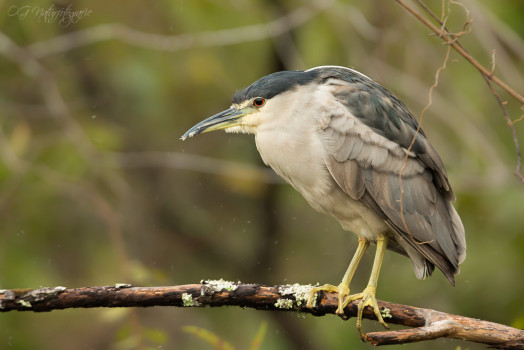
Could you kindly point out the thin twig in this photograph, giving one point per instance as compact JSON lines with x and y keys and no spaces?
{"x":488,"y":76}
{"x":184,"y":161}
{"x":232,"y":36}
{"x":511,"y":125}
{"x":449,"y":39}
{"x":513,"y":122}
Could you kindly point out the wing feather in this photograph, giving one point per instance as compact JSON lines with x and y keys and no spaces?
{"x":367,"y":154}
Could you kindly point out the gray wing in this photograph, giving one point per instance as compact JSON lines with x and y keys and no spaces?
{"x":366,"y":142}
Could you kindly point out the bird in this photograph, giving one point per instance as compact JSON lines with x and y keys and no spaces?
{"x":355,"y":152}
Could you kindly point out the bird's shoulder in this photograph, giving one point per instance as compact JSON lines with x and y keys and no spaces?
{"x":369,"y":125}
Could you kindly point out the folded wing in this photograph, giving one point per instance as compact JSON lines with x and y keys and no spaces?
{"x":376,"y":154}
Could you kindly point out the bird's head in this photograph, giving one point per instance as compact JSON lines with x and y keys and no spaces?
{"x":269,"y":99}
{"x":252,"y":105}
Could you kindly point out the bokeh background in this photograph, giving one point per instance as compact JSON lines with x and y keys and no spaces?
{"x":97,"y":188}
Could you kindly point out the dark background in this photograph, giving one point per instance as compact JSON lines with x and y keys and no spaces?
{"x":96,"y":187}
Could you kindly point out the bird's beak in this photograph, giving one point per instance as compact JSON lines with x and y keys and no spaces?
{"x":223,"y":120}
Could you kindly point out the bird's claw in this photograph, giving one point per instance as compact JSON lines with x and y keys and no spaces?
{"x":367,"y":298}
{"x":341,"y":289}
{"x":343,"y":298}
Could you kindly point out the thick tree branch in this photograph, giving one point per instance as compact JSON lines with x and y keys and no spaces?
{"x":428,"y":324}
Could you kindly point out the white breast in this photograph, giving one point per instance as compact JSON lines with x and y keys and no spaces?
{"x":300,"y":161}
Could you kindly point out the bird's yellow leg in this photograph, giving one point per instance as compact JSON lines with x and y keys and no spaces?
{"x":343,"y":288}
{"x":368,"y":295}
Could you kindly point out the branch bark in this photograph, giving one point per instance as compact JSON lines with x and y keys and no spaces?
{"x":427,"y":324}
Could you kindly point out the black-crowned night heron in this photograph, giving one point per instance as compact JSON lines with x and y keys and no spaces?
{"x":355,"y":152}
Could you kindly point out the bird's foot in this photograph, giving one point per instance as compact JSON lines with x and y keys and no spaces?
{"x":367,"y":299}
{"x":343,"y":293}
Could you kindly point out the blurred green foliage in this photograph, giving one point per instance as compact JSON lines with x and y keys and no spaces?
{"x":96,"y":188}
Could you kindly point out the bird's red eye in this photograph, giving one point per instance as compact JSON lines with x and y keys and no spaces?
{"x":259,"y":102}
